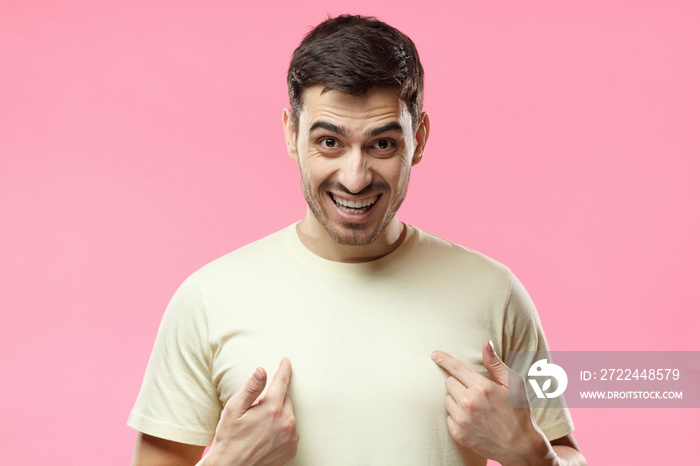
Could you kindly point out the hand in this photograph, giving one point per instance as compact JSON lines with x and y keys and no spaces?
{"x":479,"y":416}
{"x":256,"y":431}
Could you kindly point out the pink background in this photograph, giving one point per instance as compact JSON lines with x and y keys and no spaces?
{"x":140,"y":140}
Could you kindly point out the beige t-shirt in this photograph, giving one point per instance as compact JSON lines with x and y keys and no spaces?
{"x":359,"y":336}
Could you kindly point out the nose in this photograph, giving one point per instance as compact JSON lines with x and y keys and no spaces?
{"x":355,"y":174}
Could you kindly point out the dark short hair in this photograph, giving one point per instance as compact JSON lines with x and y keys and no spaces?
{"x":355,"y":54}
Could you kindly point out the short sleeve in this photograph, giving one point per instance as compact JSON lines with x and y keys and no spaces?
{"x":523,"y":332}
{"x":178,"y":400}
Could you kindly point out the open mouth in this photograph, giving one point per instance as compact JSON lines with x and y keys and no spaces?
{"x":354,"y":207}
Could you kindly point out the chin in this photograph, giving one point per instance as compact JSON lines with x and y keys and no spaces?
{"x":354,"y":234}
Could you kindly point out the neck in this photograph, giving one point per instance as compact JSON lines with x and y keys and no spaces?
{"x":316,"y":239}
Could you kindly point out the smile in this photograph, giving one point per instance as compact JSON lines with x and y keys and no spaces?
{"x":354,"y":207}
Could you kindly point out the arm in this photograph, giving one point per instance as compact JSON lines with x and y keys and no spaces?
{"x":568,"y":452}
{"x":155,"y":451}
{"x":563,"y":451}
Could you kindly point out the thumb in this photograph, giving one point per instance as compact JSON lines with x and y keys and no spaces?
{"x":494,"y":364}
{"x":246,"y":396}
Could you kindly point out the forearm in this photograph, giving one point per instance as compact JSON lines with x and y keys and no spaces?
{"x":569,"y":456}
{"x":563,"y":451}
{"x":556,"y":455}
{"x":155,"y":451}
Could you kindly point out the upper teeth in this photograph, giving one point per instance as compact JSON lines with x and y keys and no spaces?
{"x":355,"y":204}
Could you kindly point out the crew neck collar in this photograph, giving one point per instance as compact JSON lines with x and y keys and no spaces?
{"x":349,"y":268}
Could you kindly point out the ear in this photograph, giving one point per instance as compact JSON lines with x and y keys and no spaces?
{"x":422,"y":134}
{"x":290,"y":134}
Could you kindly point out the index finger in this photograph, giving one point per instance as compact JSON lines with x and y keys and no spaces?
{"x":280,"y":382}
{"x":456,"y":368}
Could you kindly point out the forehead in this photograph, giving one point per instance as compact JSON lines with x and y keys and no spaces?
{"x":378,"y":106}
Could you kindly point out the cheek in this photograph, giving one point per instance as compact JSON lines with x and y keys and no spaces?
{"x":396,"y":173}
{"x":312,"y":176}
{"x":319,"y":169}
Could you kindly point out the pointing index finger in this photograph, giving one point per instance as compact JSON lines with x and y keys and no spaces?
{"x":280,"y":382}
{"x":455,"y":367}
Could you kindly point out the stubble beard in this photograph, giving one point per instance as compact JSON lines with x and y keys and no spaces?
{"x":357,"y":234}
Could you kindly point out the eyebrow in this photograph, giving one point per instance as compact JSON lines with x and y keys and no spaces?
{"x":341,"y":131}
{"x":393,"y":126}
{"x":329,"y":127}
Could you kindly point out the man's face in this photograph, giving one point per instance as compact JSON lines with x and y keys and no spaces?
{"x":355,"y":156}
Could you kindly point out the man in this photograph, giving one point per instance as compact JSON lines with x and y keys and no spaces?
{"x":361,"y":305}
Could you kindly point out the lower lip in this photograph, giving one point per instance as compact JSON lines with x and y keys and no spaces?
{"x":355,"y":218}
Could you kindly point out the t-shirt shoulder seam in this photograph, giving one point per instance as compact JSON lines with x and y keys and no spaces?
{"x":206,"y":319}
{"x":473,"y":252}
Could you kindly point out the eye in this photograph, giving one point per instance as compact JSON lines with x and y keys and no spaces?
{"x":383,"y":144}
{"x":328,"y":143}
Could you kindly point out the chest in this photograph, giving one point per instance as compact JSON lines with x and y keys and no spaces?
{"x":362,"y":377}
